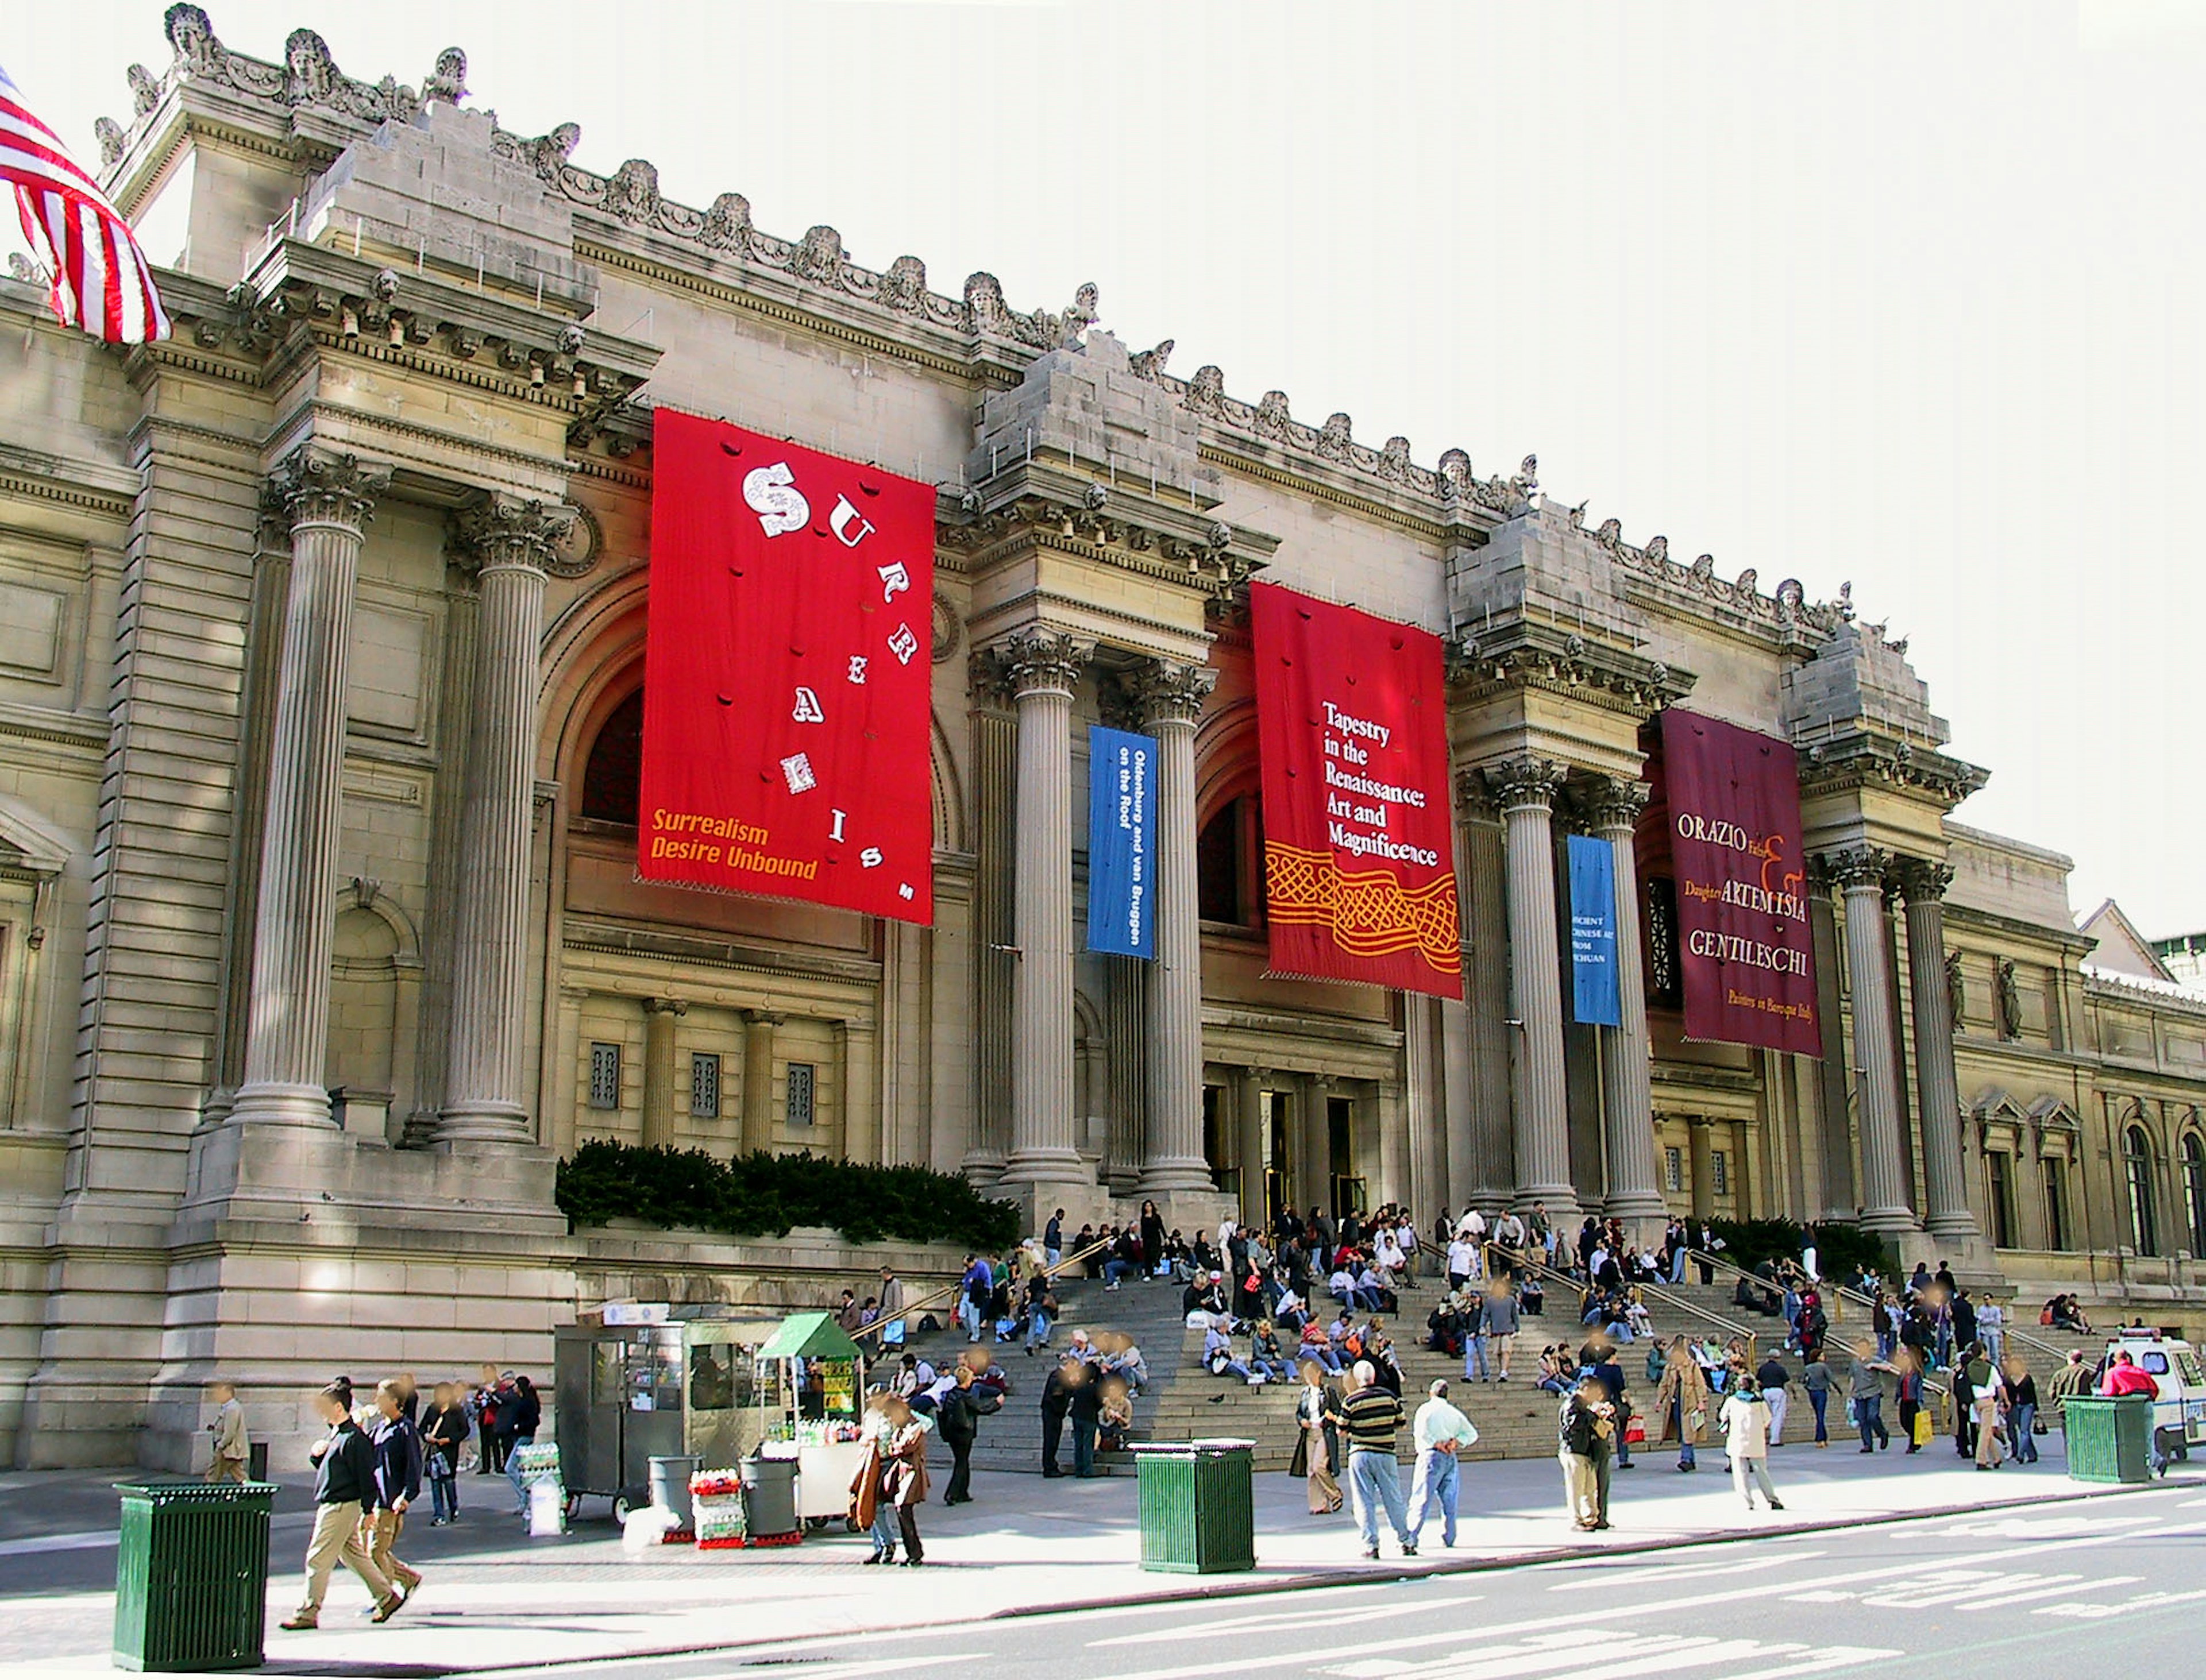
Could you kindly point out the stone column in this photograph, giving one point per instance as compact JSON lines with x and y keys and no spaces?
{"x":1635,"y":1189}
{"x":1702,"y":1168}
{"x":1250,"y":1134}
{"x":1172,"y":697}
{"x":325,"y":500}
{"x":1313,"y":1165}
{"x":1859,"y":871}
{"x":1490,"y":1158}
{"x":662,"y":1099}
{"x":1040,"y":667}
{"x":1524,"y":788}
{"x":1946,"y":1193}
{"x":510,"y":542}
{"x":758,"y":1081}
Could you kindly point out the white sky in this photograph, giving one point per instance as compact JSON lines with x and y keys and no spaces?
{"x":1910,"y":295}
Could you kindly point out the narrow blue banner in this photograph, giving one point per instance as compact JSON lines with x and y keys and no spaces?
{"x":1594,"y":1001}
{"x":1121,"y":831}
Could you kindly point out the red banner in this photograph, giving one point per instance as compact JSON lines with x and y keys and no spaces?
{"x":787,"y":674}
{"x":1359,"y":864}
{"x":1745,"y":951}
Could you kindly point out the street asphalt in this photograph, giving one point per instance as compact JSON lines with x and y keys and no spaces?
{"x":2112,"y":1587}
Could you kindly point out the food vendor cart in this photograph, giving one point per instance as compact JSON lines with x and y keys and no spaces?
{"x":818,"y":1376}
{"x":640,"y":1382}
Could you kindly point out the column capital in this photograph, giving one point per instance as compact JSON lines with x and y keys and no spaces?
{"x":495,"y":529}
{"x":1474,"y":799}
{"x":315,"y":484}
{"x":1920,"y":880}
{"x":1033,"y":661}
{"x":1524,"y":783}
{"x":1168,"y":692}
{"x":1612,"y":804}
{"x":763,"y":1017}
{"x":1853,"y":867}
{"x":673,"y":1006}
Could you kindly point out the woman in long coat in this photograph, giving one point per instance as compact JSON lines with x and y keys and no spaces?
{"x":904,"y":1474}
{"x":1317,"y":1441}
{"x":1682,"y":1401}
{"x":869,"y":1509}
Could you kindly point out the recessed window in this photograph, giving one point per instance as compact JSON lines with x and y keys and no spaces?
{"x":801,"y":1079}
{"x":704,"y":1087}
{"x":1673,"y":1167}
{"x":604,"y":1075}
{"x":2137,"y":1158}
{"x":1719,"y":1173}
{"x":612,"y":780}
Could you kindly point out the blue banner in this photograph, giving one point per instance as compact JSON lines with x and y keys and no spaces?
{"x":1594,"y":1000}
{"x":1122,"y":832}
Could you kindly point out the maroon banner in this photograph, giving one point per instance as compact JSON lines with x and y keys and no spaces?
{"x":787,"y":674}
{"x":1359,"y":864}
{"x":1746,"y":952}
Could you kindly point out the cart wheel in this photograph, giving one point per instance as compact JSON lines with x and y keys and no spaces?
{"x":815,"y":1524}
{"x":621,"y":1507}
{"x":849,"y":1525}
{"x":574,"y":1506}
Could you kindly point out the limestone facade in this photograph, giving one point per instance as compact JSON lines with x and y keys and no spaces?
{"x":321,"y":631}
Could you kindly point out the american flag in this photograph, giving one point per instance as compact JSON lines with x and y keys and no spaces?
{"x":102,"y":281}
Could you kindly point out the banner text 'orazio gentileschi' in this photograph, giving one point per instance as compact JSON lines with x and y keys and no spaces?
{"x":1359,"y":864}
{"x":1745,"y":951}
{"x":787,"y":672}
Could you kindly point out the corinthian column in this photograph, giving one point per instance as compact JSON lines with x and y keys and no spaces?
{"x":509,"y":541}
{"x":1525,"y":788}
{"x":1485,"y":1044}
{"x":1634,"y":1192}
{"x":1945,"y":1182}
{"x":1172,"y":697}
{"x":1039,"y":668}
{"x":325,"y":500}
{"x":1859,"y":871}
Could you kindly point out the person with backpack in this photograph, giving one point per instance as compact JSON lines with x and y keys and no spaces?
{"x":1746,"y":1421}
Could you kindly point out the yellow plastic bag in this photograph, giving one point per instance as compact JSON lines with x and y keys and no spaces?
{"x":1923,"y":1428}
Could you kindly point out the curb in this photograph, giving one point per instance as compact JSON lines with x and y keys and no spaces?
{"x":1365,"y":1575}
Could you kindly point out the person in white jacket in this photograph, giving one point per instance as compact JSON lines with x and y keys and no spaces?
{"x":1746,"y":1421}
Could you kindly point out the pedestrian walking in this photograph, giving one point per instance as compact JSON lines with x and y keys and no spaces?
{"x":1745,"y":1421}
{"x":1815,"y":1384}
{"x":871,"y":1507}
{"x":1865,"y":1394}
{"x":1502,"y":1320}
{"x":903,"y":1476}
{"x":1086,"y":1413}
{"x":1056,"y":1406}
{"x":344,"y":1480}
{"x":958,"y":1416}
{"x":892,"y":1323}
{"x":1914,"y":1419}
{"x":1681,"y":1401}
{"x":1317,"y":1440}
{"x":398,"y":1444}
{"x":226,"y":1429}
{"x":488,"y":1402}
{"x":444,"y":1433}
{"x":1577,"y":1437}
{"x":1775,"y":1383}
{"x":1370,"y":1417}
{"x":1984,"y":1397}
{"x":1440,"y":1432}
{"x":2021,"y":1410}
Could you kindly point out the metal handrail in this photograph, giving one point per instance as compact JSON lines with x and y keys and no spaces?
{"x":950,"y":1292}
{"x":1541,"y":1267}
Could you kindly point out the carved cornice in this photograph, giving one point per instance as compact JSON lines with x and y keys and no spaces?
{"x":1037,"y":503}
{"x":493,"y":529}
{"x":1521,"y":653}
{"x":1851,"y":762}
{"x":1169,"y":693}
{"x":1033,"y":662}
{"x":317,"y":486}
{"x":1788,"y":610}
{"x":1525,"y":782}
{"x":1851,"y":868}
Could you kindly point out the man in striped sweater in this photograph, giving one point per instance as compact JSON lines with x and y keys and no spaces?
{"x":1370,"y":1418}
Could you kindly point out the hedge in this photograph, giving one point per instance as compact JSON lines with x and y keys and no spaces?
{"x":764,"y":1194}
{"x":1841,"y":1250}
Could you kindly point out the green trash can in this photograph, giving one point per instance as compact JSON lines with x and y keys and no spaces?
{"x":2109,"y":1438}
{"x":1198,"y":1502}
{"x":191,"y":1575}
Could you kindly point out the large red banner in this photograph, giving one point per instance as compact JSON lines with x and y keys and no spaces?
{"x":787,"y":674}
{"x":1745,"y":951}
{"x":1359,"y":864}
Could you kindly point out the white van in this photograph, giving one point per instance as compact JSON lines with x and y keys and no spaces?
{"x":2178,"y":1414}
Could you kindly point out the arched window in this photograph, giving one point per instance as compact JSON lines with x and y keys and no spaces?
{"x":2137,"y":1158}
{"x":2194,"y":1189}
{"x":1229,"y":865}
{"x":612,"y":778}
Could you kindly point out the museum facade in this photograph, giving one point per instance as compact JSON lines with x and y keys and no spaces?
{"x":322,"y":935}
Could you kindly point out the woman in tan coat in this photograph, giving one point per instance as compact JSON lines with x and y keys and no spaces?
{"x":903,"y":1472}
{"x":1317,"y":1423}
{"x":1682,"y":1401}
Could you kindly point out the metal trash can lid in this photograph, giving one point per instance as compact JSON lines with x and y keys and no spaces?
{"x":1167,"y":1449}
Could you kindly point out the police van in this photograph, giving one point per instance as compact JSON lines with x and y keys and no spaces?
{"x":2178,"y":1413}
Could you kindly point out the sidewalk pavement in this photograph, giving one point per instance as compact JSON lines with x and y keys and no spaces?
{"x":494,"y":1600}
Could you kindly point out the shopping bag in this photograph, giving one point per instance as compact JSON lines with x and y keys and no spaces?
{"x":1922,"y":1431}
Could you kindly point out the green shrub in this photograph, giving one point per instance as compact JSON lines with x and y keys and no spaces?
{"x":1841,"y":1250}
{"x":764,"y":1194}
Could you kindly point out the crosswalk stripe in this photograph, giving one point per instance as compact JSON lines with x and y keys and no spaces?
{"x":1282,"y":1621}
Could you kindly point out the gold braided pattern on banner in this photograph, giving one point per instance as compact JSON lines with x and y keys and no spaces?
{"x":1367,"y":912}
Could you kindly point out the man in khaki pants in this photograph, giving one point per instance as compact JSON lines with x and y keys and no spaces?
{"x":228,"y":1430}
{"x":344,"y":1478}
{"x":398,"y":1484}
